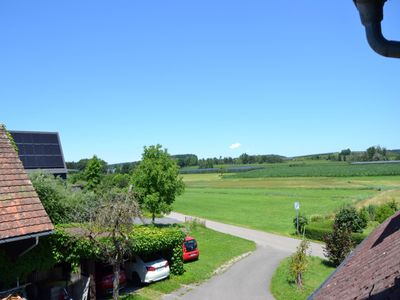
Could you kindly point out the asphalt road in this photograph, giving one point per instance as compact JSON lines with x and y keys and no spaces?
{"x":250,"y":277}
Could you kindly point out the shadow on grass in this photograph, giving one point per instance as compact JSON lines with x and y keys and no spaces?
{"x":128,"y":292}
{"x":291,"y":281}
{"x":327,"y":263}
{"x":188,"y":262}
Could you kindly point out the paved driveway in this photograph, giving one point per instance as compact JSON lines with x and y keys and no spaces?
{"x":250,"y":277}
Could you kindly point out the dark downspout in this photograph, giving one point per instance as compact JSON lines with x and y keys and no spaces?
{"x":371,"y":13}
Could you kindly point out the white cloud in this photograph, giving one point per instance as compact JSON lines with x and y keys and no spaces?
{"x":235,"y":146}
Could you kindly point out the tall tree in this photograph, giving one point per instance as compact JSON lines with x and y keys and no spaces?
{"x":371,"y":152}
{"x":156,"y":180}
{"x":344,"y":153}
{"x":92,"y":173}
{"x":338,"y":244}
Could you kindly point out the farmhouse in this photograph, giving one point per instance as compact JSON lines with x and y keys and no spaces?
{"x":371,"y":271}
{"x":23,"y":220}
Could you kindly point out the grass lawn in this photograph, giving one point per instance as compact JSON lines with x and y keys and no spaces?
{"x":264,"y":209}
{"x":267,"y":203}
{"x":215,"y":249}
{"x":283,"y":288}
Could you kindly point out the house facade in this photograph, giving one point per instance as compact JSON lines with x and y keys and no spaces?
{"x":23,"y":219}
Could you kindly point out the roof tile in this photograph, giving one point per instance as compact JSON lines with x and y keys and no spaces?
{"x":371,"y":270}
{"x":21,"y":212}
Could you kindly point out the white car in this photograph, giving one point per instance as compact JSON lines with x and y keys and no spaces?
{"x":147,"y":269}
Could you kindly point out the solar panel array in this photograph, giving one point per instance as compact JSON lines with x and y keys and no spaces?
{"x":39,"y":150}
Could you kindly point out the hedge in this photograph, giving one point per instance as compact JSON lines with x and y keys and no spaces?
{"x":314,"y":232}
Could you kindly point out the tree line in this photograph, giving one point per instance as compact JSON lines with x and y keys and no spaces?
{"x":182,"y":160}
{"x":373,"y":153}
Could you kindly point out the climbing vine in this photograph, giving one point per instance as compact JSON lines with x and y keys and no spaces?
{"x":9,"y":136}
{"x":66,"y":246}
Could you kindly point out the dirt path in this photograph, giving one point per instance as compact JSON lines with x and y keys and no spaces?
{"x":382,"y":197}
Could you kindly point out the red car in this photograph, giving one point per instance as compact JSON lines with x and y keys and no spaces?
{"x":104,"y":279}
{"x":190,"y":249}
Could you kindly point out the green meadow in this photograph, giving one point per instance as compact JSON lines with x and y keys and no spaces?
{"x":267,"y":204}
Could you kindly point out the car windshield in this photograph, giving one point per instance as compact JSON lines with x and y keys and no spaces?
{"x":190,"y":245}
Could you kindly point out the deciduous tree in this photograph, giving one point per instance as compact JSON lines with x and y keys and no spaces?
{"x":299,"y":262}
{"x":92,"y":173}
{"x":157,"y":181}
{"x":338,"y":244}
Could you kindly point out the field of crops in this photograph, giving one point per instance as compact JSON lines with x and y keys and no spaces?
{"x":320,"y":170}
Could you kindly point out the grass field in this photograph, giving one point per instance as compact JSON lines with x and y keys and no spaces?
{"x":283,"y":288}
{"x":267,"y":203}
{"x":215,"y":249}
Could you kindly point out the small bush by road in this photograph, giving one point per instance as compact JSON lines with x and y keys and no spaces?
{"x":283,"y":287}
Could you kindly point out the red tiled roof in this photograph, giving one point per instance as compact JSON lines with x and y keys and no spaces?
{"x":21,"y":212}
{"x":371,"y":271}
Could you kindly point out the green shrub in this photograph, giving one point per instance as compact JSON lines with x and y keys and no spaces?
{"x":112,"y":181}
{"x":303,"y":221}
{"x":317,"y":232}
{"x":52,"y":194}
{"x":324,"y":224}
{"x":313,"y":232}
{"x":383,"y":212}
{"x":347,"y":217}
{"x":358,"y":237}
{"x":364,"y":215}
{"x":393,"y":205}
{"x":150,"y":239}
{"x":316,"y":218}
{"x":177,"y":267}
{"x":339,"y":243}
{"x":299,"y":262}
{"x":372,"y":212}
{"x":62,"y":203}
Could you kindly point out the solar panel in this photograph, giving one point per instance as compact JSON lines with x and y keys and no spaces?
{"x":39,"y":150}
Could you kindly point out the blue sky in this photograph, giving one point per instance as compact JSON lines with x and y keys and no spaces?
{"x":283,"y":77}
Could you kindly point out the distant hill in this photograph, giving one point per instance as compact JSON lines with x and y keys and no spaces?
{"x":191,"y":160}
{"x":314,"y":156}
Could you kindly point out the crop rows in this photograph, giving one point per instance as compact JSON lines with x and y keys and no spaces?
{"x":320,"y":170}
